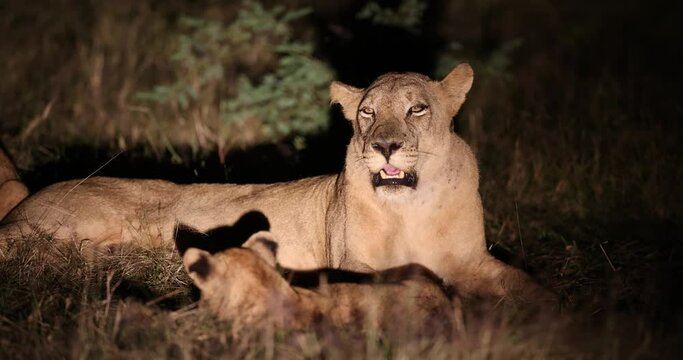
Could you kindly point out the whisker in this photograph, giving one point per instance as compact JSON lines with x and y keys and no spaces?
{"x":89,"y":176}
{"x":44,"y":214}
{"x":426,"y":152}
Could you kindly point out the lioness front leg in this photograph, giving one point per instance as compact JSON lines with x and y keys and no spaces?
{"x":512,"y":285}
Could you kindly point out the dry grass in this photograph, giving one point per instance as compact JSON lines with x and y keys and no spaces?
{"x":77,"y":81}
{"x":59,"y":303}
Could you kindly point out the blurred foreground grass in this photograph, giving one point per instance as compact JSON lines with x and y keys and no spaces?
{"x":57,"y":302}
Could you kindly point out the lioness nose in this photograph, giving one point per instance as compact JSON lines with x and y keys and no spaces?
{"x":386,"y":147}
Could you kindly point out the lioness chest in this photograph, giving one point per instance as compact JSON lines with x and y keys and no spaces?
{"x":379,"y":240}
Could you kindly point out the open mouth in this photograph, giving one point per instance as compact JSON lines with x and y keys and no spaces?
{"x":391,"y":176}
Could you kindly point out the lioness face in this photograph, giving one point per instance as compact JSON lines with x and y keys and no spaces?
{"x":400,"y":121}
{"x":389,"y":125}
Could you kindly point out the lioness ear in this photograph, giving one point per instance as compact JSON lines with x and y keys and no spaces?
{"x":347,"y":96}
{"x":197,"y":264}
{"x":456,"y":85}
{"x":264,"y":245}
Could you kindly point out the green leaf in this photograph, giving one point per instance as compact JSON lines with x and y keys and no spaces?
{"x":296,"y":14}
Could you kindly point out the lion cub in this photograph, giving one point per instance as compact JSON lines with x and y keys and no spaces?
{"x":243,"y":285}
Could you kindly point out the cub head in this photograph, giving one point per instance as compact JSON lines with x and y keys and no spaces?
{"x":239,"y":284}
{"x":400,"y":121}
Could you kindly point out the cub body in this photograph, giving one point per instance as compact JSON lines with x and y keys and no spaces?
{"x":242,"y":285}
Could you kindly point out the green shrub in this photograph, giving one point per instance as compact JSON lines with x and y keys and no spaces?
{"x":407,"y":15}
{"x":251,"y":71}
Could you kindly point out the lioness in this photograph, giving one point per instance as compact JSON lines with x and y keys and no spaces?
{"x":408,"y":193}
{"x":243,"y":285}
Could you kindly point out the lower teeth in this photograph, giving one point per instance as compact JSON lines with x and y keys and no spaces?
{"x":384,"y":175}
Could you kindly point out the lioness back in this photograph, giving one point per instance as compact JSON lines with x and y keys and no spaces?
{"x":112,"y":211}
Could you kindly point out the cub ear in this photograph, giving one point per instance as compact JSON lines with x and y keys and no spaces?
{"x":198,"y":264}
{"x":187,"y":237}
{"x":264,"y":245}
{"x":348,"y":97}
{"x":456,"y":85}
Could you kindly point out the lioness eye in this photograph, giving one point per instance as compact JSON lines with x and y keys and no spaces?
{"x":366,"y":112}
{"x":418,"y":110}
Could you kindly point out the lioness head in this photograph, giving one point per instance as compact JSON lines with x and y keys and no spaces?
{"x":399,"y":122}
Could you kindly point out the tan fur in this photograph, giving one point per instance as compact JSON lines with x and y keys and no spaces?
{"x":12,"y":191}
{"x":338,"y":221}
{"x":243,"y":286}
